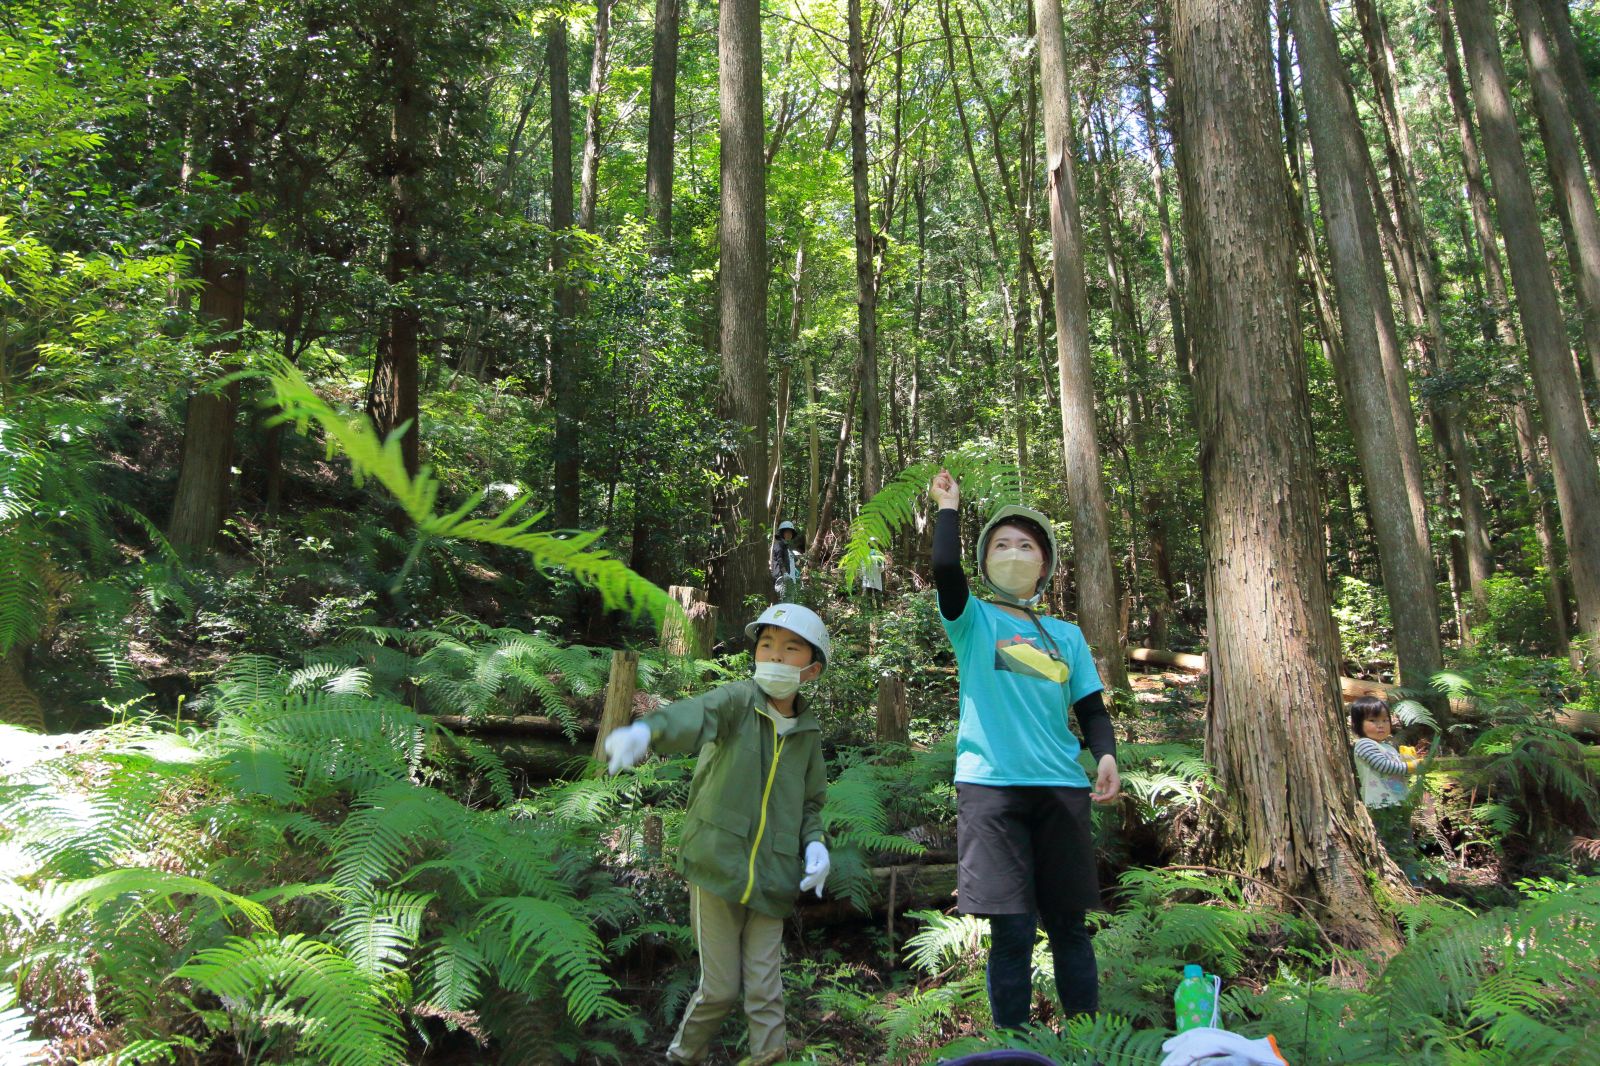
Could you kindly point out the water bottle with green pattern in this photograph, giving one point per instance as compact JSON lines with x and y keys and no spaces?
{"x":1196,"y":999}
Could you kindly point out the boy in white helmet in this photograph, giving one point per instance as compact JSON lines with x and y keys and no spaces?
{"x":752,"y":833}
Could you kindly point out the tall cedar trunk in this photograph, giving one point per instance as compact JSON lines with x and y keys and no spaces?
{"x":866,"y":274}
{"x":1274,"y":731}
{"x":663,"y":119}
{"x":1169,"y":262}
{"x":1098,"y":613}
{"x":589,"y":174}
{"x":1566,"y":171}
{"x":813,"y":448}
{"x":1364,"y":311}
{"x":1580,"y":97}
{"x":392,"y":393}
{"x":204,"y":474}
{"x":566,"y":381}
{"x":1555,"y":381}
{"x":1422,"y":313}
{"x":742,"y":303}
{"x":1499,"y":326}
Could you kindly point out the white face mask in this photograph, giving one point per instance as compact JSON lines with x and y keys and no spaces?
{"x":1015,"y":571}
{"x":778,"y":680}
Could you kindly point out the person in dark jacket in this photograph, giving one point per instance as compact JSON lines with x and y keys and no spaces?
{"x":752,"y":833}
{"x":784,"y":560}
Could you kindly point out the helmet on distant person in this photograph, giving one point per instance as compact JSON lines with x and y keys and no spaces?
{"x":796,"y":619}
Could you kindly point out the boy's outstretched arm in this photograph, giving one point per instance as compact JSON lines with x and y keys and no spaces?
{"x":684,"y":726}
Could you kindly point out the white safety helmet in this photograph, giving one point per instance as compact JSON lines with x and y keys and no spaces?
{"x":798,"y":619}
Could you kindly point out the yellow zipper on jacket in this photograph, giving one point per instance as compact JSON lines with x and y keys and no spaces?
{"x":761,"y":826}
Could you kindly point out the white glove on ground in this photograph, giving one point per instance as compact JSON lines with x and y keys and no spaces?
{"x":817,"y":867}
{"x":626,"y":746}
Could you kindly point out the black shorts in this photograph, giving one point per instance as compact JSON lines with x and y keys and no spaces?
{"x":1024,"y":849}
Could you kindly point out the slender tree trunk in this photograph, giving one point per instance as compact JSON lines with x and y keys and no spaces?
{"x":1580,"y":96}
{"x":1274,"y":729}
{"x":1364,"y":312}
{"x":1169,"y":263}
{"x":866,"y":274}
{"x":565,"y":373}
{"x":1091,"y":526}
{"x":663,"y":119}
{"x":813,"y":448}
{"x":1554,"y":379}
{"x":836,"y":476}
{"x":796,"y":316}
{"x":1527,"y":433}
{"x":1566,"y":171}
{"x":590,"y":173}
{"x":1422,"y":312}
{"x":742,"y":302}
{"x":201,"y":501}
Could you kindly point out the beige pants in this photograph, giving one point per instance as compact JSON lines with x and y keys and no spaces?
{"x":739,"y":950}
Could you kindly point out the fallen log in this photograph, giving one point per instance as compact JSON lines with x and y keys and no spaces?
{"x":528,"y":725}
{"x":1584,"y":722}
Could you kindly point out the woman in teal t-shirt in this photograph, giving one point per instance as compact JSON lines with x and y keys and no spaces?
{"x":1025,"y":850}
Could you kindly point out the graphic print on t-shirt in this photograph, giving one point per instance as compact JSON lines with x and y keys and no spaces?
{"x":1020,"y":655}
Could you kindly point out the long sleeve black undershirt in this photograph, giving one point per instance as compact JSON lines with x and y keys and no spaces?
{"x":950,"y":582}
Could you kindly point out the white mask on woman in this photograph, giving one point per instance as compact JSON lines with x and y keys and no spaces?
{"x":1014,"y":571}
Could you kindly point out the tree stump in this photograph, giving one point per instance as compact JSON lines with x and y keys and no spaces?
{"x":894,"y":721}
{"x":618,"y":710}
{"x":689,"y":633}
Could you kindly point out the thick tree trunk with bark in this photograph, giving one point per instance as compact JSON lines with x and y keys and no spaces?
{"x":565,"y":379}
{"x":1364,"y":311}
{"x":201,"y":501}
{"x":663,"y":119}
{"x":1554,"y":379}
{"x":742,"y":304}
{"x":1098,"y":613}
{"x":1275,"y":732}
{"x":866,"y":272}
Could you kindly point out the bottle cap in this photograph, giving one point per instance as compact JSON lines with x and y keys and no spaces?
{"x":1192,"y":970}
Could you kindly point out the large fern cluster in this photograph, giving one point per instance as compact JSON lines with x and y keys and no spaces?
{"x":1513,"y":984}
{"x":285,"y":881}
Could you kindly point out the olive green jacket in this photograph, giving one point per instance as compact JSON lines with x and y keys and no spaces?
{"x":756,"y":799}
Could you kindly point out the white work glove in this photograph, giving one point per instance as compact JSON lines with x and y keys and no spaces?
{"x":817,"y":866}
{"x":626,"y":746}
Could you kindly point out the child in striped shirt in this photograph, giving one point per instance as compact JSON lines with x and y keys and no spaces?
{"x":1382,"y":769}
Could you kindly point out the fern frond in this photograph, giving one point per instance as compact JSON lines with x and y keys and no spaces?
{"x":575,"y":553}
{"x":343,"y":1016}
{"x":378,"y":928}
{"x":551,"y":934}
{"x":945,"y":941}
{"x":148,"y":886}
{"x":453,"y":970}
{"x":986,"y":479}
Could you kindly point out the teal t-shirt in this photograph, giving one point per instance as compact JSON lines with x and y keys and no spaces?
{"x":1013,"y":713}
